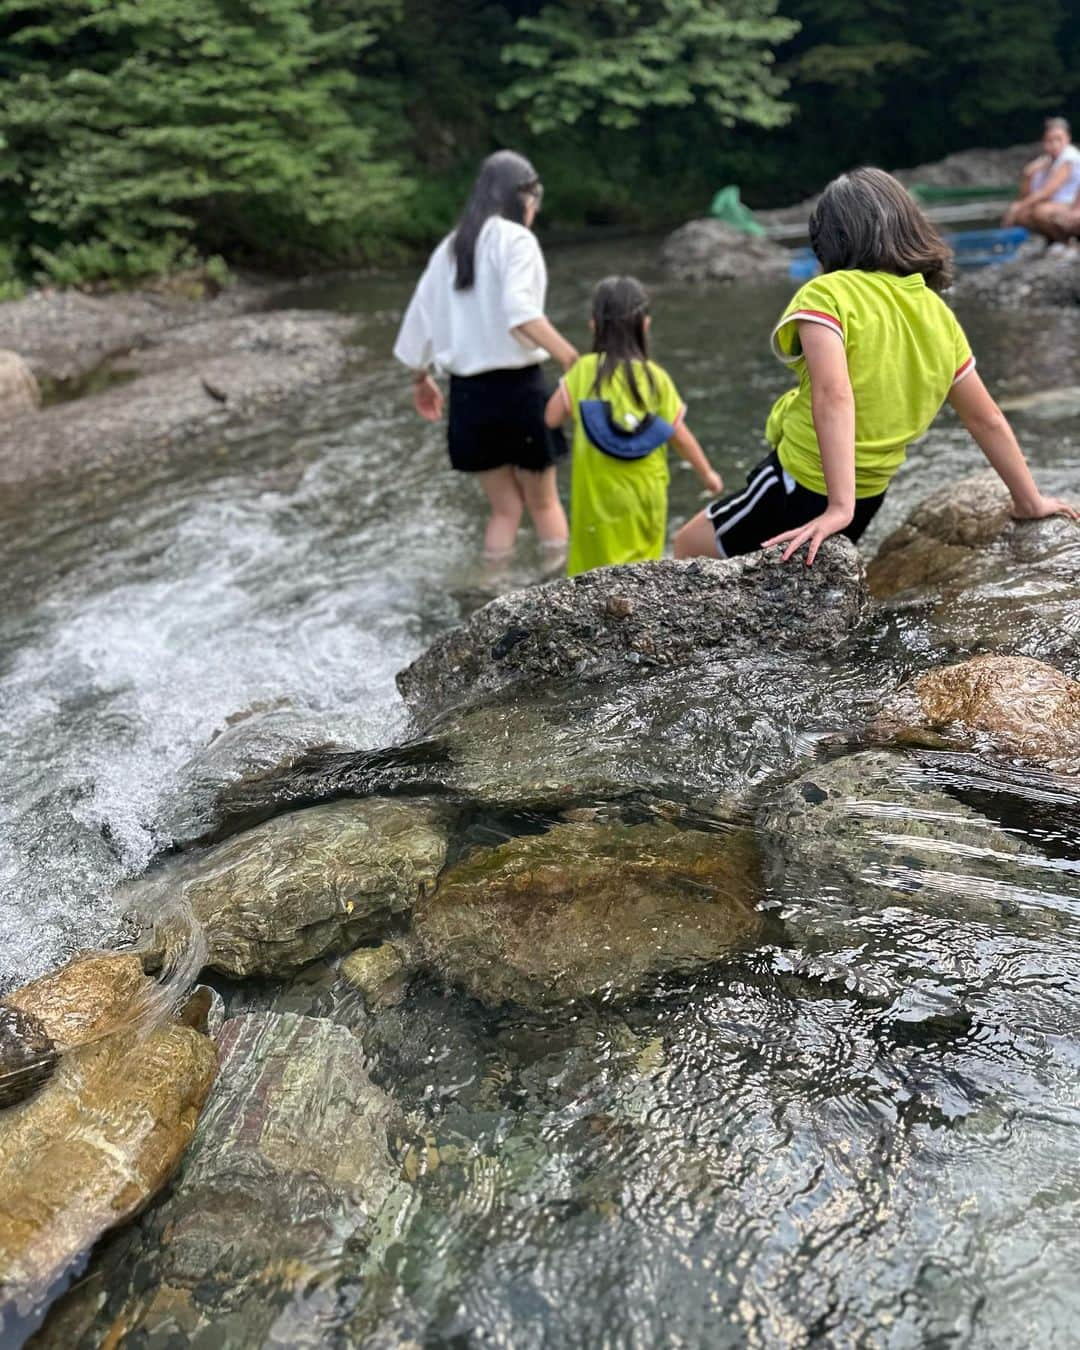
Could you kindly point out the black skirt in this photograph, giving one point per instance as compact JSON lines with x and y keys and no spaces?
{"x":497,"y":418}
{"x":771,"y":503}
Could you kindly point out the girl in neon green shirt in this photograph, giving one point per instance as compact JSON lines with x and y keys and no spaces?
{"x":876,"y":352}
{"x":626,"y":411}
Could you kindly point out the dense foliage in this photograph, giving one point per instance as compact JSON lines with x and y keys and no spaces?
{"x":136,"y":135}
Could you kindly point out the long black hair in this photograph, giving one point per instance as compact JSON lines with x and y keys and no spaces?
{"x":865,"y":221}
{"x":499,"y":190}
{"x":620,"y":308}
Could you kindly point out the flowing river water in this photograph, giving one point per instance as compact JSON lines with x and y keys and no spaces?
{"x":757,"y":1156}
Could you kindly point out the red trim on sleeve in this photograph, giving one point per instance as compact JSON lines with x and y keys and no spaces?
{"x":965,"y":369}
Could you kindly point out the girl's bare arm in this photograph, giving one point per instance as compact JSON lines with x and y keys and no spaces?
{"x":689,"y":448}
{"x":990,"y":428}
{"x":833,"y":406}
{"x":543,"y":333}
{"x":558,"y":408}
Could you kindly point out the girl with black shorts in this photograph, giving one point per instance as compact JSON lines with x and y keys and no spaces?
{"x":478,"y":314}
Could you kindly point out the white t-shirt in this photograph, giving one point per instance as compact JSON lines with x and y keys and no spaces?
{"x":466,"y":332}
{"x":1071,"y":186}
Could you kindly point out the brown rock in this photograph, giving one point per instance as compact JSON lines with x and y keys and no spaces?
{"x":91,"y":1148}
{"x":586,"y":910}
{"x":1014,"y":704}
{"x":87,"y":998}
{"x":27,"y":1054}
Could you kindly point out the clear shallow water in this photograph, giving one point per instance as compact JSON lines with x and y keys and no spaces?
{"x":764,"y":1156}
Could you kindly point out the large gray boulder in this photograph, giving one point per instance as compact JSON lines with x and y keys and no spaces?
{"x":304,"y":885}
{"x":647,"y":617}
{"x":1034,"y":279}
{"x":288,"y":1171}
{"x":709,"y":250}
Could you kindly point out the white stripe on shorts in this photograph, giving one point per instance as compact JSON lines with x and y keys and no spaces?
{"x":762,"y":485}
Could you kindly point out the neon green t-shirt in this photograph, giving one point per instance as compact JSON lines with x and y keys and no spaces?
{"x":905,"y":350}
{"x":618,"y":507}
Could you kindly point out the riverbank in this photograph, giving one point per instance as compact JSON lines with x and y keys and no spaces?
{"x":134,"y":374}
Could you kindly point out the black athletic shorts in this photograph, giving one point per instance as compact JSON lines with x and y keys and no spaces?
{"x":497,"y":418}
{"x":771,"y":503}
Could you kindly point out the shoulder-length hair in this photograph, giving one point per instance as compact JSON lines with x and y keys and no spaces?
{"x":865,"y":221}
{"x":498,"y":191}
{"x":620,"y":310}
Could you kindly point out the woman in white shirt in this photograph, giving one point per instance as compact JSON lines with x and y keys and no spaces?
{"x":1049,"y":182}
{"x":478,"y":314}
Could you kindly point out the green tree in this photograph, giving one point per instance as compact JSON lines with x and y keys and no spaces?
{"x":137,"y":129}
{"x":616,"y":63}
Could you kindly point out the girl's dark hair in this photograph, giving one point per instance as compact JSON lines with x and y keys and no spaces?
{"x":865,"y":221}
{"x":499,"y":190}
{"x":620,"y":307}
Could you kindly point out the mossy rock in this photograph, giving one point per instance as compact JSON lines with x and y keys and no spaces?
{"x":590,"y":910}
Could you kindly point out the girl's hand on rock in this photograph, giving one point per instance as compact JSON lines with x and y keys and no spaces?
{"x":1043,"y":507}
{"x":427,"y":399}
{"x":713,"y":483}
{"x":814,"y":532}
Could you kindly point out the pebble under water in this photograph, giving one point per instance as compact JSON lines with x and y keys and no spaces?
{"x":863,"y":1130}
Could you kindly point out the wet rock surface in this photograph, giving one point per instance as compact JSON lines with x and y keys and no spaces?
{"x":704,"y":731}
{"x":304,"y":885}
{"x":188,"y":381}
{"x":886,"y":874}
{"x":1034,"y":279}
{"x":88,"y":1151}
{"x":19,"y":392}
{"x":589,"y":910}
{"x":710,"y":250}
{"x":27,"y":1055}
{"x":286,"y":1176}
{"x":983,"y":581}
{"x":1008,"y":704}
{"x":647,"y":617}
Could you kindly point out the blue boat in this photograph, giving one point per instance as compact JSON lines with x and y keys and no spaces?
{"x":973,"y":248}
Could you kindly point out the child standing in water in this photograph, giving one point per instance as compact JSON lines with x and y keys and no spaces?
{"x":876,"y":352}
{"x":626,"y":411}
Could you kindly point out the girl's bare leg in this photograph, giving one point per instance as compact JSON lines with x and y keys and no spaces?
{"x":507,"y":504}
{"x":696,"y":539}
{"x":541,"y":494}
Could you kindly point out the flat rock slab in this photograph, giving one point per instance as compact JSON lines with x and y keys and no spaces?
{"x":1009,"y":704}
{"x":284,"y":1181}
{"x":590,"y":910}
{"x":188,"y":381}
{"x":649,"y":616}
{"x":304,"y":885}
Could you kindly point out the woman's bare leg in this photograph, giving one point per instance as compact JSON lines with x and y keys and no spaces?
{"x":541,"y":494}
{"x":696,"y":539}
{"x":507,"y":504}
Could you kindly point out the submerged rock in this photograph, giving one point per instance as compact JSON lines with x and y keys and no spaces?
{"x":1011,"y":704}
{"x":711,"y":729}
{"x":656,"y":615}
{"x":88,"y":1151}
{"x":1034,"y":279}
{"x":19,"y":390}
{"x":983,"y":581}
{"x":27,"y":1054}
{"x":589,"y":910}
{"x":381,"y":973}
{"x":286,"y":1176}
{"x":1047,"y":404}
{"x":304,"y":885}
{"x":710,"y":250}
{"x":884,"y":874}
{"x":88,"y":998}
